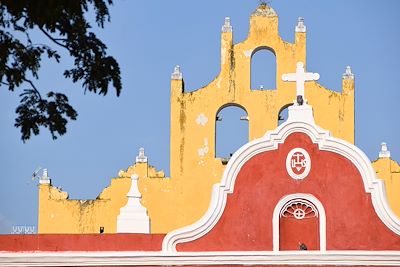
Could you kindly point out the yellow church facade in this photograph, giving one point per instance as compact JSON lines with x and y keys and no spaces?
{"x":179,"y":200}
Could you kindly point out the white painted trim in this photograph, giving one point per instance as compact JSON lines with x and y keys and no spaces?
{"x":338,"y":258}
{"x":321,"y":215}
{"x":269,"y":142}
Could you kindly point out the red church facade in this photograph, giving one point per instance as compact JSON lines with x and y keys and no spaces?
{"x":330,"y":199}
{"x":296,"y":196}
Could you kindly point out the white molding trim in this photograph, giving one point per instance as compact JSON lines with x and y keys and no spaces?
{"x":321,"y":215}
{"x":110,"y":258}
{"x":270,"y":141}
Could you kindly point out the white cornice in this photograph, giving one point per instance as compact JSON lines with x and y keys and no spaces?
{"x":339,"y":258}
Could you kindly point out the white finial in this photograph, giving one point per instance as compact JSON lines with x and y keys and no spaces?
{"x":300,"y":77}
{"x":141,"y":158}
{"x":227,"y":27}
{"x":384,"y":153}
{"x":45,"y":179}
{"x":133,"y":216}
{"x":348,"y":74}
{"x":177,"y":74}
{"x":300,"y":27}
{"x":134,"y":191}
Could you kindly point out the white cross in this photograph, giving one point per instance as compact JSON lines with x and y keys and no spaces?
{"x":300,"y":77}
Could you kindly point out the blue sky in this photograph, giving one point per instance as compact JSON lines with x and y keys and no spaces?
{"x":149,"y":38}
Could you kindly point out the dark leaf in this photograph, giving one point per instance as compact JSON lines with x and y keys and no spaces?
{"x":52,"y":113}
{"x":63,"y":23}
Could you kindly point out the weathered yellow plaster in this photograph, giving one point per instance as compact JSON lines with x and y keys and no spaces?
{"x":182,"y":199}
{"x":389,"y":171}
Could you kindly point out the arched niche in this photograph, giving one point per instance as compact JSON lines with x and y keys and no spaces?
{"x":299,"y":223}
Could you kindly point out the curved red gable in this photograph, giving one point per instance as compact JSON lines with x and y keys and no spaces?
{"x":246,"y":223}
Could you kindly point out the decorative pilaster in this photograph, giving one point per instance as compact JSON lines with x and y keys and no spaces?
{"x":133,"y":216}
{"x":226,"y":47}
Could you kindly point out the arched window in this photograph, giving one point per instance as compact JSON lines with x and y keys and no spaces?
{"x":231,"y":130}
{"x":263,"y":69}
{"x":283,"y":114}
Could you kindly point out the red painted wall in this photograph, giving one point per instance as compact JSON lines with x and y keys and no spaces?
{"x":84,"y":242}
{"x":246,"y":223}
{"x":295,"y":232}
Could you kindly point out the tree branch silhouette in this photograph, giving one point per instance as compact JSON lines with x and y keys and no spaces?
{"x":63,"y":23}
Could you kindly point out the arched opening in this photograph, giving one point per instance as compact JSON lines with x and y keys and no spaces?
{"x":283,"y":114}
{"x":231,"y":131}
{"x":299,"y":223}
{"x":263,"y":69}
{"x":298,"y":226}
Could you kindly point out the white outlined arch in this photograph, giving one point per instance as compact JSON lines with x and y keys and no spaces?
{"x":321,"y":217}
{"x":300,"y":121}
